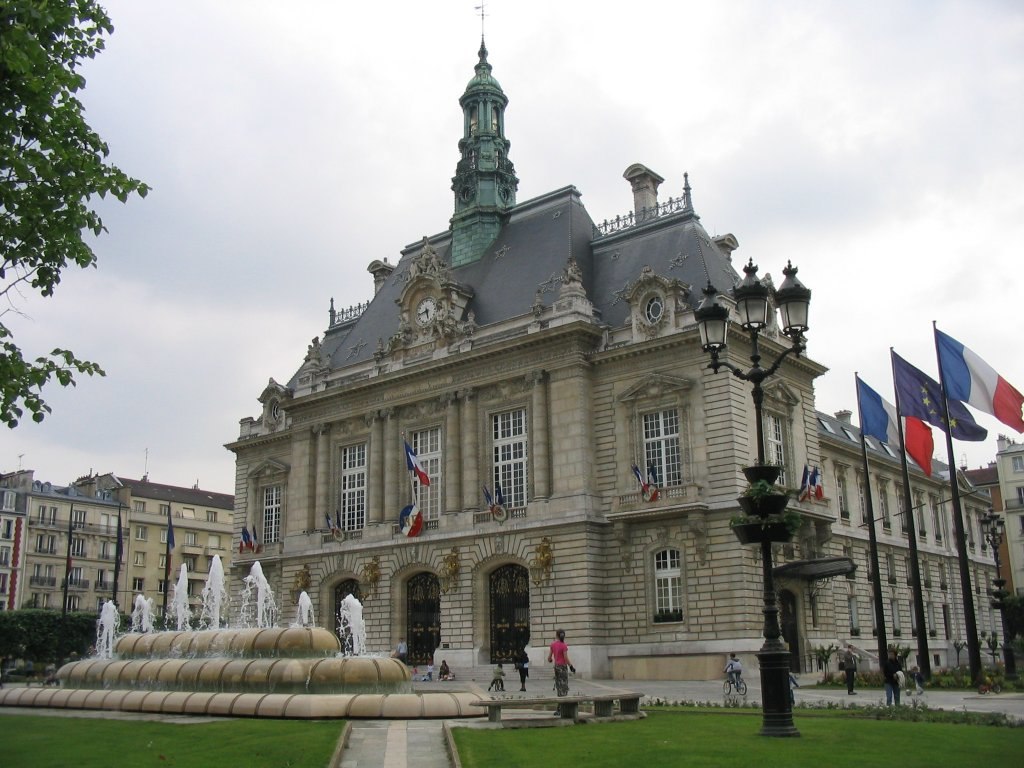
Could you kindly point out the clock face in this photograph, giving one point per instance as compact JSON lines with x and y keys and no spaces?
{"x":425,"y":311}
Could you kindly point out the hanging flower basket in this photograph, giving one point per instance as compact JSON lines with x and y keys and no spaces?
{"x":757,"y":532}
{"x":767,"y":472}
{"x":763,"y":506}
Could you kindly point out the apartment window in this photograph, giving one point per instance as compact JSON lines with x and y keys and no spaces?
{"x":1018,"y":463}
{"x":101,"y":579}
{"x":862,"y":501}
{"x":77,"y":546}
{"x":668,"y":597}
{"x":774,"y":443}
{"x":883,"y":505}
{"x":3,"y":583}
{"x":352,"y":504}
{"x":842,"y":500}
{"x":913,"y":619}
{"x":661,"y":447}
{"x":138,"y":584}
{"x":138,"y":506}
{"x":165,"y":510}
{"x":75,"y":575}
{"x":894,"y":609}
{"x":271,"y":513}
{"x":8,"y":531}
{"x":161,"y":586}
{"x":108,"y":550}
{"x":427,"y":445}
{"x":188,"y":513}
{"x":141,"y":533}
{"x":936,"y":517}
{"x":211,"y":516}
{"x":78,"y":518}
{"x":901,"y":512}
{"x":5,"y":556}
{"x":140,"y":559}
{"x":510,"y":455}
{"x":190,"y":563}
{"x":848,"y":552}
{"x":192,"y":538}
{"x":46,"y":543}
{"x":922,"y":517}
{"x":213,"y":541}
{"x":890,"y":567}
{"x":907,"y":568}
{"x":7,"y":500}
{"x":74,"y":602}
{"x":163,"y":563}
{"x":851,"y":606}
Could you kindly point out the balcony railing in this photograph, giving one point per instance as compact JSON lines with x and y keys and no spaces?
{"x":104,"y":586}
{"x":42,"y":581}
{"x":78,"y":583}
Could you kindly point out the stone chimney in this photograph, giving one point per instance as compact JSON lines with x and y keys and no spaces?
{"x":381,"y":271}
{"x":843,"y":417}
{"x":645,"y":184}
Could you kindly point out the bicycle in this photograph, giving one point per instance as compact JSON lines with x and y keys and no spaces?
{"x":739,"y":685}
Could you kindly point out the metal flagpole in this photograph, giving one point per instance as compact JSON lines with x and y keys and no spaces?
{"x":876,"y":576}
{"x":119,"y":552}
{"x":67,"y":561}
{"x":970,"y":620}
{"x":915,"y":565}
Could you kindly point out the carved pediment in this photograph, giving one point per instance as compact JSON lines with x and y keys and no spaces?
{"x":268,"y":468}
{"x":782,"y":394}
{"x":655,"y":386}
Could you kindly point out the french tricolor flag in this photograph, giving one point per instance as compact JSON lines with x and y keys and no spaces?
{"x":412,"y":461}
{"x":969,"y":378}
{"x":878,"y":419}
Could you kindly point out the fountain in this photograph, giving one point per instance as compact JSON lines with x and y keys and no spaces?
{"x":215,"y":596}
{"x":305,"y":614}
{"x":142,"y":614}
{"x":106,"y":627}
{"x":257,"y":670}
{"x":351,"y":626}
{"x":179,"y":603}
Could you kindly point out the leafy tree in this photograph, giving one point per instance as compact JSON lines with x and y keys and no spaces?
{"x":52,"y":169}
{"x":823,"y":654}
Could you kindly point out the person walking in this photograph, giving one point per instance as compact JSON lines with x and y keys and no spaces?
{"x":558,"y":653}
{"x":402,"y":651}
{"x":523,"y":667}
{"x":848,"y":663}
{"x":891,"y":671}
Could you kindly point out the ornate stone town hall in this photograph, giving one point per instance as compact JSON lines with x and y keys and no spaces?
{"x":529,"y":348}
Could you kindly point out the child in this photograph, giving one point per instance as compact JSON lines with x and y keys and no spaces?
{"x":497,"y":682}
{"x":918,"y":678}
{"x":430,"y":669}
{"x":733,"y":669}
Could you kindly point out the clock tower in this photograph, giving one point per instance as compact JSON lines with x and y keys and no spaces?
{"x":485,"y":181}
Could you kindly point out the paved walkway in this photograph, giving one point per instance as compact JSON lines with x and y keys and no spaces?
{"x":421,"y":743}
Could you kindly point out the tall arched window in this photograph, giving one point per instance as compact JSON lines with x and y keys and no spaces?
{"x":668,"y":586}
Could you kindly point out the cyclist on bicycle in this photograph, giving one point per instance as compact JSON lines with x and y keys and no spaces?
{"x":733,"y":669}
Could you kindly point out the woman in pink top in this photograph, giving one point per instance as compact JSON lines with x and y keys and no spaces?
{"x":559,"y":654}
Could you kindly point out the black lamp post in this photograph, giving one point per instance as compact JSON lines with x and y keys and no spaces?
{"x":993,"y":529}
{"x":752,"y":309}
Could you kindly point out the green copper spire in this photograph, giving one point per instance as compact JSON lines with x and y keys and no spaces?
{"x":485,"y":182}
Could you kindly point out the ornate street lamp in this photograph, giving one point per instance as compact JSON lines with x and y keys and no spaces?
{"x":752,"y":308}
{"x":993,"y":528}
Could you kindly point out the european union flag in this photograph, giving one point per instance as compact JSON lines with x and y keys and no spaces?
{"x":921,"y":397}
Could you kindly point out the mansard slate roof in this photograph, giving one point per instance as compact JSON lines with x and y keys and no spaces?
{"x":525,"y":263}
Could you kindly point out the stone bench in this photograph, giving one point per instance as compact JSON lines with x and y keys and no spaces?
{"x":568,"y":707}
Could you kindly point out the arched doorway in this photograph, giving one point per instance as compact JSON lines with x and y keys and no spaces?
{"x":509,"y":590}
{"x":790,"y":627}
{"x":423,"y":614}
{"x":343,"y":590}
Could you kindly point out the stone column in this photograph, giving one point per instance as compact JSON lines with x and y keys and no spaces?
{"x":323,"y":474}
{"x":375,"y":471}
{"x":539,"y":440}
{"x":392,"y":474}
{"x":572,"y":454}
{"x":299,"y":500}
{"x":471,"y":493}
{"x":452,"y":459}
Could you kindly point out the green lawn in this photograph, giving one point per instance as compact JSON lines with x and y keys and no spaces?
{"x":58,"y":742}
{"x":722,"y":739}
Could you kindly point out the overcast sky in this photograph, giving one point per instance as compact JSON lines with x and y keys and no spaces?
{"x":879,"y":145}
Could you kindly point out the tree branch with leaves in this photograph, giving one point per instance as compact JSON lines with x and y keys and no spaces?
{"x":53,"y":169}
